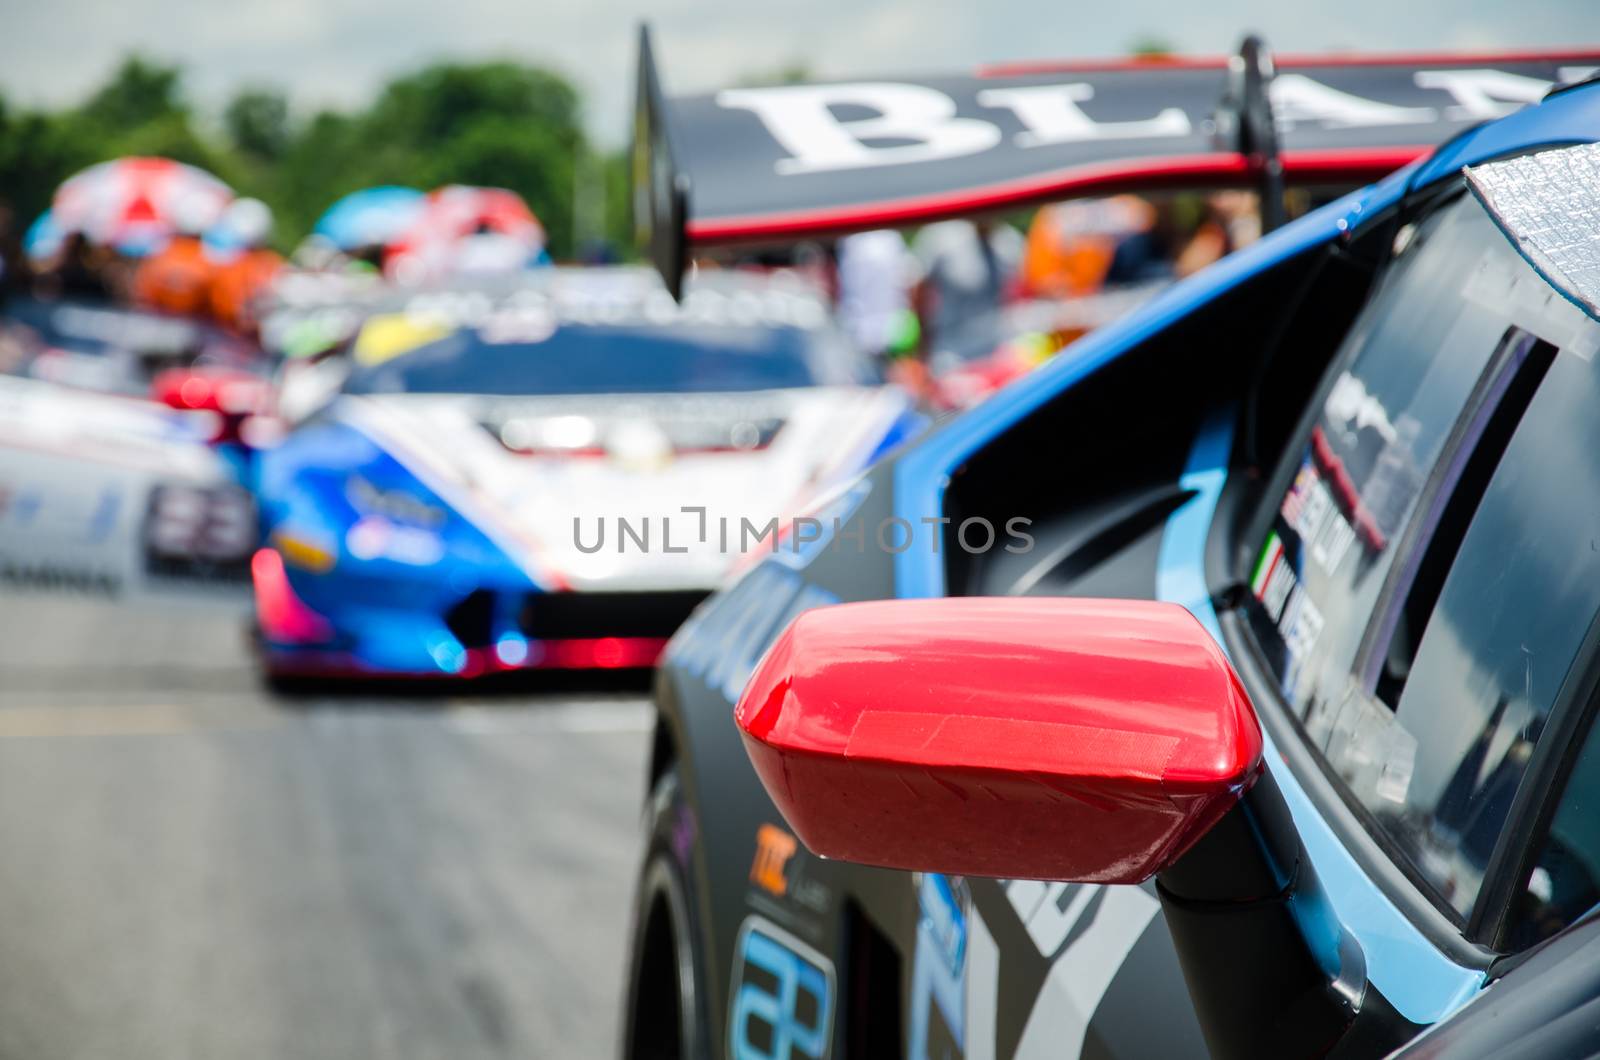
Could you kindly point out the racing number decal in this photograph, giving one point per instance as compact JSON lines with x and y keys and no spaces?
{"x":782,"y":996}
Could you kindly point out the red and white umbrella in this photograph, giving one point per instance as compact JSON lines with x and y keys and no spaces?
{"x":454,"y":214}
{"x":139,"y":201}
{"x":459,"y":210}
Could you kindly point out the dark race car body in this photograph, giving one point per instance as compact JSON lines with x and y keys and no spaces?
{"x":1358,"y":452}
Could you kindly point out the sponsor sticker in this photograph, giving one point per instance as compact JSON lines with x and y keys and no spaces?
{"x":1274,"y":583}
{"x":774,"y":848}
{"x":782,"y":996}
{"x":1310,"y":511}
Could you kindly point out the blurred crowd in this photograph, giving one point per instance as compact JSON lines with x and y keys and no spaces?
{"x":150,"y":234}
{"x":942,"y":298}
{"x":955,"y":310}
{"x":213,"y":268}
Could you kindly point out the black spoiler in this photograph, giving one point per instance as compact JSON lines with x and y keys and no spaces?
{"x":781,"y":163}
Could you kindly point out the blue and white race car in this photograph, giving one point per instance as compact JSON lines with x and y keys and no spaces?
{"x":552,"y":474}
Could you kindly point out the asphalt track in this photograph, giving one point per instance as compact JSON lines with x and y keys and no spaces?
{"x":190,"y":867}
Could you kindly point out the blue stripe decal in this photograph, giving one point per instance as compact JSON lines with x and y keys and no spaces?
{"x":1422,"y":983}
{"x":1206,"y":472}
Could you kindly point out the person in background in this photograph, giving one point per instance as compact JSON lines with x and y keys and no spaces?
{"x":79,"y":271}
{"x":177,"y":278}
{"x":1229,"y":220}
{"x":238,"y":283}
{"x":13,"y":260}
{"x":1081,"y":247}
{"x":968,"y":269}
{"x":876,"y":274}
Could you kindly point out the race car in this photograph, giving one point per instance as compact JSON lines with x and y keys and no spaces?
{"x":90,"y":345}
{"x":120,"y":452}
{"x":108,"y":496}
{"x":1225,"y":686}
{"x":551,"y":473}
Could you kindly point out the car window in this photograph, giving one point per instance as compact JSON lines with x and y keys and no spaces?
{"x":606,"y":360}
{"x":1410,"y":363}
{"x":1511,"y":616}
{"x":1564,"y":881}
{"x":1432,"y":570}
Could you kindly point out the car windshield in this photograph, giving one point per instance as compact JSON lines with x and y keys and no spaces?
{"x":95,"y":329}
{"x":611,"y":360}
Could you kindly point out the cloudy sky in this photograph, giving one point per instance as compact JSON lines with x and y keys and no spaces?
{"x":331,"y":52}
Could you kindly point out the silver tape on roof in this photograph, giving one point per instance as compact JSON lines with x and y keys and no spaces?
{"x":1549,"y":204}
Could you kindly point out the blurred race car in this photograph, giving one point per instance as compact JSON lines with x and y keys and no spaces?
{"x":118,"y":454}
{"x":1231,"y":687}
{"x":183,"y":363}
{"x":105,"y":495}
{"x":97,"y":346}
{"x":554,"y":473}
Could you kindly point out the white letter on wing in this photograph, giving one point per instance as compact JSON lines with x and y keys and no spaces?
{"x":1483,"y":94}
{"x":1297,"y":98}
{"x":799,"y":118}
{"x":1052,"y":115}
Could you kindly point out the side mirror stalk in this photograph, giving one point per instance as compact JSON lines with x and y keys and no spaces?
{"x":1270,"y":972}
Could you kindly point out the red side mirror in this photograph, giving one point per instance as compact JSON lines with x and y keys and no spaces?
{"x":1025,"y":737}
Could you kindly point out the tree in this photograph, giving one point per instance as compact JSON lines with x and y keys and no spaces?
{"x":498,"y":123}
{"x":1150,"y":46}
{"x":257,"y":122}
{"x":139,"y":91}
{"x":40,"y":151}
{"x":432,"y":106}
{"x":792,"y":72}
{"x":535,"y":161}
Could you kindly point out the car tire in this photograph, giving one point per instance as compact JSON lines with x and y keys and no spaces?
{"x":664,"y":1017}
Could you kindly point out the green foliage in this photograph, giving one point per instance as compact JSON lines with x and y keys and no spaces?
{"x":139,"y":91}
{"x":495,"y":123}
{"x":257,"y":121}
{"x":792,"y":72}
{"x":1150,"y":46}
{"x":435,"y":105}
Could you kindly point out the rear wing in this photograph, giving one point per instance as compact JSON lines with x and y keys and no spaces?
{"x":780,"y":163}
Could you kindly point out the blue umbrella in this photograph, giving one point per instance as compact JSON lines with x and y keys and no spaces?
{"x":371,"y":216}
{"x":44,"y":237}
